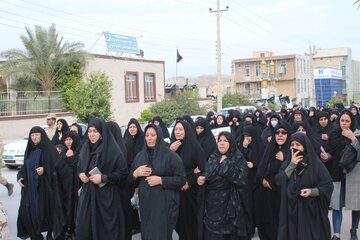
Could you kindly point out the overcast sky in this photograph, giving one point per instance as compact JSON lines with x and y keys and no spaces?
{"x":280,"y":26}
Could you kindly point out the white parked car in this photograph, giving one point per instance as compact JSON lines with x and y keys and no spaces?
{"x":13,"y":155}
{"x":14,"y":151}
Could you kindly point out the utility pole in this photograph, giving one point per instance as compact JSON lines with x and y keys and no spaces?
{"x":218,"y":12}
{"x":312,"y":52}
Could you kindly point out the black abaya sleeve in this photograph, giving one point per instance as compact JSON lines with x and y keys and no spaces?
{"x":178,"y":178}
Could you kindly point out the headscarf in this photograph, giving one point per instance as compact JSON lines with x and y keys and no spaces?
{"x":134,"y":144}
{"x":162,"y":126}
{"x":115,"y":129}
{"x":110,"y":150}
{"x":336,"y":145}
{"x":296,"y":212}
{"x":206,"y":137}
{"x":64,"y":129}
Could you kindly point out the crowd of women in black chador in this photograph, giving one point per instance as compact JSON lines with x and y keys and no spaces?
{"x":278,"y":173}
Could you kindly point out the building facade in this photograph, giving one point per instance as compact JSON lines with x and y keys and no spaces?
{"x":340,"y":58}
{"x":328,"y":83}
{"x":137,"y":83}
{"x":291,"y":76}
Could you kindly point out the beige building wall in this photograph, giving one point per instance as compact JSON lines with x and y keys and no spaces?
{"x":251,"y":85}
{"x":115,"y":68}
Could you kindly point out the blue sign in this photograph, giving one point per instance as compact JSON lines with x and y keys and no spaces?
{"x":121,"y":43}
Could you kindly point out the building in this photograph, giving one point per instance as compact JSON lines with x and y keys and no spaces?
{"x":137,"y":83}
{"x":265,"y":75}
{"x":328,"y":83}
{"x":341,"y":58}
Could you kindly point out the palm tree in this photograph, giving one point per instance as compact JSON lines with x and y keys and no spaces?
{"x":44,"y":58}
{"x":356,"y":2}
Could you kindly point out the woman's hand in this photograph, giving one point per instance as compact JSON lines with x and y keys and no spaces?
{"x":175,"y":145}
{"x":305,"y":192}
{"x":280,"y":156}
{"x":250,"y":164}
{"x":83,"y":177}
{"x":153,"y":181}
{"x":324,"y":137}
{"x":223,"y":157}
{"x":197,"y":170}
{"x":96,"y":179}
{"x":185,"y":187}
{"x":20,"y":182}
{"x":40,"y":171}
{"x":349,"y":134}
{"x":324,"y":156}
{"x":142,"y":171}
{"x":295,"y":157}
{"x":69,"y":153}
{"x":201,"y":180}
{"x":266,"y":184}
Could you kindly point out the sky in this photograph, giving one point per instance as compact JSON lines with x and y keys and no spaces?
{"x":162,"y":26}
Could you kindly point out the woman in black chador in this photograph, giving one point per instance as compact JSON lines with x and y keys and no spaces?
{"x":305,"y":194}
{"x":62,"y":127}
{"x":193,"y":158}
{"x":205,"y":136}
{"x":267,"y":191}
{"x":157,"y":120}
{"x":67,"y":186}
{"x":35,"y":178}
{"x":102,"y":168}
{"x":134,"y":143}
{"x":225,"y":212}
{"x":159,"y":173}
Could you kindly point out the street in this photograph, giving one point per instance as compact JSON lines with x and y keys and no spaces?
{"x":12,"y":205}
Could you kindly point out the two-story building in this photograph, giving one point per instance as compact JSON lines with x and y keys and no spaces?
{"x":137,"y":83}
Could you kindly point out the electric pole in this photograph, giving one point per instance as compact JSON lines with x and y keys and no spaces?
{"x":218,"y":13}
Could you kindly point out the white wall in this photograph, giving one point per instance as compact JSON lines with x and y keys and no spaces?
{"x":115,"y":69}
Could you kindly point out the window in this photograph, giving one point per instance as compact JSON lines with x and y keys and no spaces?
{"x":131,"y":87}
{"x":282,"y":69}
{"x":257,"y":69}
{"x":247,"y":70}
{"x":149,"y":87}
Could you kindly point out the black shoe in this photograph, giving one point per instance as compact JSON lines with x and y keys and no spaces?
{"x":10,"y":188}
{"x":353,"y":235}
{"x":335,"y":238}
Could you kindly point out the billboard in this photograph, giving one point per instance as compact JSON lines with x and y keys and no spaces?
{"x":121,"y":43}
{"x":324,"y":73}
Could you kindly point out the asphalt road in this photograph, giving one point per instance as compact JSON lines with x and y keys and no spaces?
{"x":12,"y":204}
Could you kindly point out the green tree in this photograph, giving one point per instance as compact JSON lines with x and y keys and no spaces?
{"x":186,"y":103}
{"x":334,"y":100}
{"x":45,"y":57}
{"x":91,"y":98}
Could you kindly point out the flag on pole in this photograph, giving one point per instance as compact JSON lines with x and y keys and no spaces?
{"x":178,"y":56}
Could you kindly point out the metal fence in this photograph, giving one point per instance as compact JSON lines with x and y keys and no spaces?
{"x":30,"y":102}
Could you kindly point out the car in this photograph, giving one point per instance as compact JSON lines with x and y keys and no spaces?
{"x":14,"y":151}
{"x":172,"y":125}
{"x":242,"y":109}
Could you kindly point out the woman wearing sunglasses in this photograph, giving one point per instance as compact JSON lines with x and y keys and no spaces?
{"x":267,"y":191}
{"x":305,"y":192}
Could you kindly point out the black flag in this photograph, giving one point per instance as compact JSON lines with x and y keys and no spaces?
{"x":178,"y":56}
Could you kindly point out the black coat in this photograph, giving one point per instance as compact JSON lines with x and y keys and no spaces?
{"x":225,"y":207}
{"x":300,"y":217}
{"x":99,"y":212}
{"x":159,"y":205}
{"x":36,"y":204}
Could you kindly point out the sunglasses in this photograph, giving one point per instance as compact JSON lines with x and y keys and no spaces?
{"x":281,"y":132}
